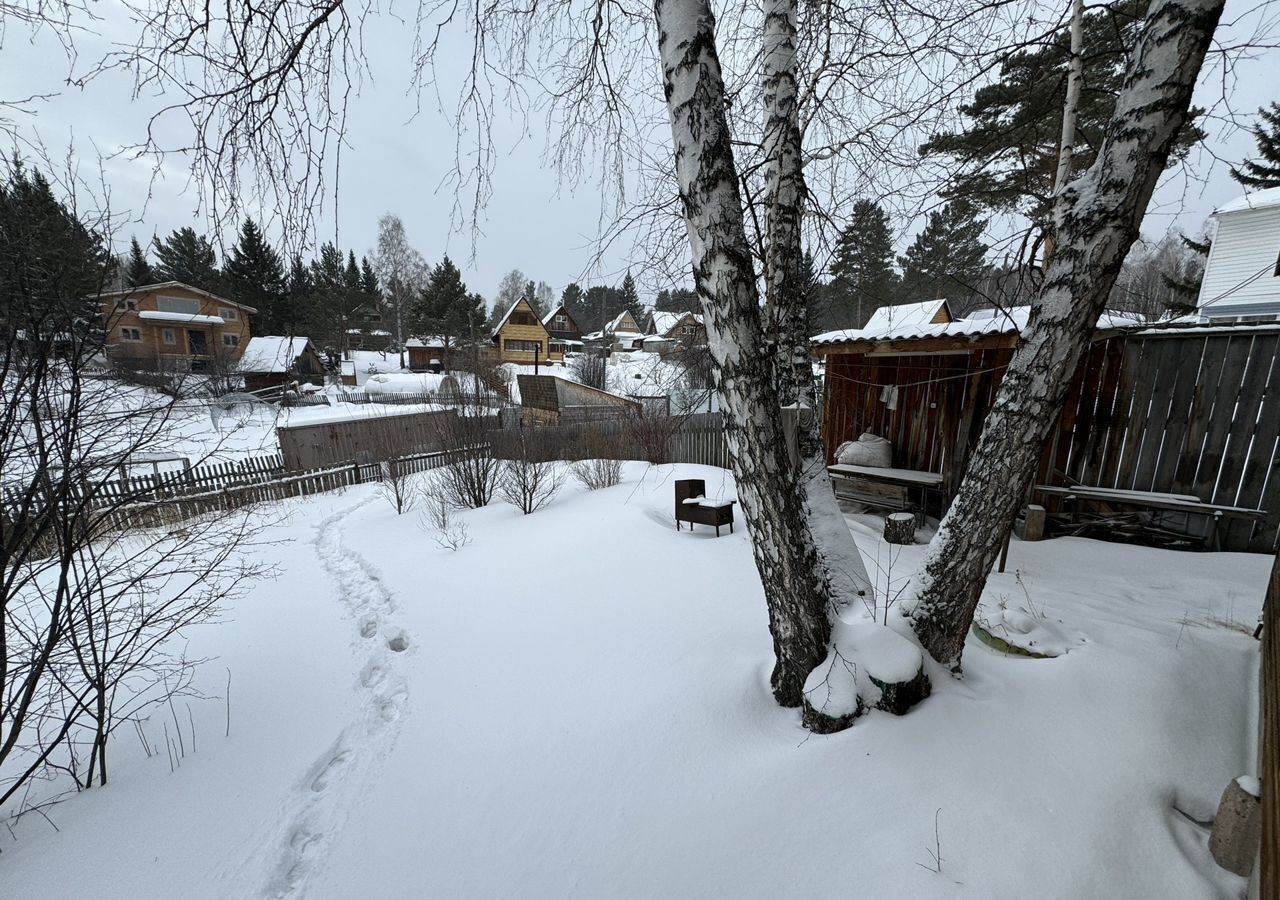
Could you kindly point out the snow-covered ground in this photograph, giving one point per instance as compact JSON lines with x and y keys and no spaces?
{"x":576,"y":705}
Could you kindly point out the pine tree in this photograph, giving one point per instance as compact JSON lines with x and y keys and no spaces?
{"x":293,"y":312}
{"x":254,"y":274}
{"x":863,"y":277}
{"x":947,"y":259}
{"x":335,"y":298}
{"x":369,"y":283}
{"x":189,"y":258}
{"x":1008,"y":155}
{"x":137,"y":271}
{"x":677,"y":300}
{"x":1265,"y":172}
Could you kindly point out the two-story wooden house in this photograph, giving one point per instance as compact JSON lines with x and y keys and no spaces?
{"x":174,"y":326}
{"x":1242,"y":275}
{"x":522,"y":338}
{"x":566,"y":335}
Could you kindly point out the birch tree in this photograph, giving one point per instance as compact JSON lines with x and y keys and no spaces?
{"x":1096,"y":217}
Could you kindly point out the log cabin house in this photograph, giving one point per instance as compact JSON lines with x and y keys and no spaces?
{"x":174,"y":326}
{"x":566,"y":334}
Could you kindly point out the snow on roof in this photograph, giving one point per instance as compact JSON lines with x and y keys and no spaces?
{"x":153,"y":315}
{"x":1262,"y":199}
{"x":979,"y":323}
{"x":272,"y":353}
{"x":905,"y":315}
{"x":430,"y":340}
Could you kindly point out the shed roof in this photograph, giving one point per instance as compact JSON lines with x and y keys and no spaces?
{"x":1262,"y":199}
{"x":274,"y":354}
{"x":905,"y":315}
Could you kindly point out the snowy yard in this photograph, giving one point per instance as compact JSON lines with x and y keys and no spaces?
{"x":576,"y":705}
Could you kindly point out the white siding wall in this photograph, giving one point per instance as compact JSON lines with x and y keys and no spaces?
{"x":1246,"y":242}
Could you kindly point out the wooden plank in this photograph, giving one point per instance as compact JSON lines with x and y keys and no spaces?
{"x":1221,"y":414}
{"x":1186,"y":374}
{"x":1163,"y":371}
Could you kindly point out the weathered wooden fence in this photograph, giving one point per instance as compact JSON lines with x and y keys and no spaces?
{"x":697,"y":439}
{"x":324,"y":444}
{"x":1171,"y":412}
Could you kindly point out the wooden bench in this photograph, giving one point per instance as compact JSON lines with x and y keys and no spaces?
{"x":884,"y":488}
{"x":1183,"y":503}
{"x":693,"y":506}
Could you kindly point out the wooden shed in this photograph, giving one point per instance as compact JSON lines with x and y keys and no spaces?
{"x":1185,"y":410}
{"x":273,"y":360}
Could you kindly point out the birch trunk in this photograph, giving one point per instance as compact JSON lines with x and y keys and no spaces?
{"x":796,"y":590}
{"x":787,"y":303}
{"x":1096,"y":215}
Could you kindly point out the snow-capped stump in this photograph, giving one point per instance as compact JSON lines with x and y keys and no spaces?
{"x":892,"y":664}
{"x":1021,"y":631}
{"x":869,"y":665}
{"x":900,"y":528}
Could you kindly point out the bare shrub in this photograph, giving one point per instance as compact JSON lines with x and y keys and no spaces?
{"x":437,"y":517}
{"x":589,"y":368}
{"x":529,"y":480}
{"x":603,"y":467}
{"x":470,"y":474}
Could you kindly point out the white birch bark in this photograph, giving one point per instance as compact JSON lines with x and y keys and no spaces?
{"x":1075,"y":75}
{"x":1096,"y":219}
{"x":786,"y":302}
{"x":793,"y":577}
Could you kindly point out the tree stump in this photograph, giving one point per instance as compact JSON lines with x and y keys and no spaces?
{"x":900,"y":528}
{"x":1237,"y":827}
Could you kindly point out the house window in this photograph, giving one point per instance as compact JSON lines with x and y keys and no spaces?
{"x":131,"y":334}
{"x":126,"y":304}
{"x":521,"y":317}
{"x":512,"y":346}
{"x":178,"y":305}
{"x":169,"y":336}
{"x":562,"y":322}
{"x":228,"y":313}
{"x":231,"y":340}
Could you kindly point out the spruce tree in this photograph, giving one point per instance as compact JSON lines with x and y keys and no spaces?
{"x":137,"y":270}
{"x":1265,"y":171}
{"x":863,"y":279}
{"x":293,"y":312}
{"x":446,"y":308}
{"x":189,"y":258}
{"x":631,"y":299}
{"x":254,"y":274}
{"x":572,"y":299}
{"x":947,"y":258}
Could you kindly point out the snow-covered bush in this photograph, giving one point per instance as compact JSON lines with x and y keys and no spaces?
{"x":448,"y":531}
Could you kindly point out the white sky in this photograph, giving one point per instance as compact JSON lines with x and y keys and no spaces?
{"x":393,"y":163}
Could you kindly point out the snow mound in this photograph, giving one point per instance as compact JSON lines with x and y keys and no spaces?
{"x":1020,"y":631}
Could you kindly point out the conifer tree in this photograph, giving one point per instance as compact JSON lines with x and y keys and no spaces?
{"x":189,"y":258}
{"x":631,"y":299}
{"x":446,"y":308}
{"x":254,"y":274}
{"x":137,"y":270}
{"x":1007,"y":155}
{"x":1265,"y":171}
{"x":863,"y":279}
{"x":947,"y":258}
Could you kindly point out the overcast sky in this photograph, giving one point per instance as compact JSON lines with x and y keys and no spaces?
{"x":394,"y":162}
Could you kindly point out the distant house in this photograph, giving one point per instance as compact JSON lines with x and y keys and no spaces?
{"x":566,"y":335}
{"x":271,"y":360}
{"x":1242,"y":275}
{"x":522,"y":338}
{"x":426,"y":354}
{"x":683,"y":328}
{"x":621,"y":333}
{"x":174,"y":326}
{"x":552,"y":400}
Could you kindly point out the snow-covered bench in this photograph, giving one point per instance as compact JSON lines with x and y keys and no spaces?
{"x":695,"y":507}
{"x":1184,"y":503}
{"x":884,"y":488}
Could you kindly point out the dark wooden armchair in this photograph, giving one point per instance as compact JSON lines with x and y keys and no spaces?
{"x":692,"y":506}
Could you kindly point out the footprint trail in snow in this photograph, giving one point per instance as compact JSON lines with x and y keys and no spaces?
{"x":318,"y":807}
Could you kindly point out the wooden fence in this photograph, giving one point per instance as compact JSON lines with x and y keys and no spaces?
{"x":696,"y":439}
{"x":1269,"y":745}
{"x":321,"y":445}
{"x":1169,"y":412}
{"x":162,"y":511}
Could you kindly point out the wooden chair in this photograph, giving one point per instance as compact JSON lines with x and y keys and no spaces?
{"x":692,"y":506}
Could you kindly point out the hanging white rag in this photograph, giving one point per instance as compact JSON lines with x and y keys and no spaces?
{"x":889,"y":396}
